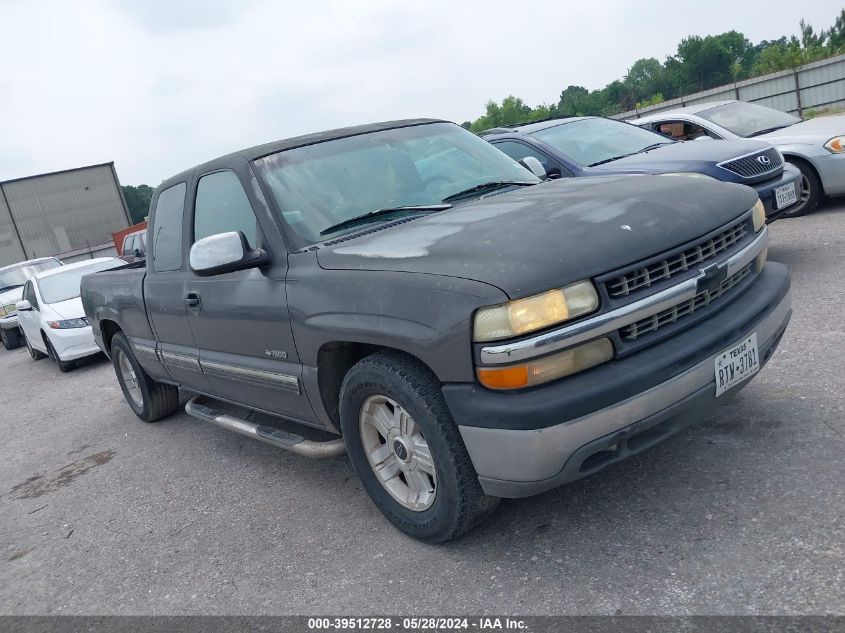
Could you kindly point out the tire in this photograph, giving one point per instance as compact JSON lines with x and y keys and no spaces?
{"x":34,"y":353}
{"x":64,"y":365}
{"x":11,"y":338}
{"x":148,"y":399}
{"x":450,"y":501}
{"x":811,"y":190}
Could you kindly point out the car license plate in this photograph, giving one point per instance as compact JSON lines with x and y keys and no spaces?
{"x":736,"y":364}
{"x":785,"y":196}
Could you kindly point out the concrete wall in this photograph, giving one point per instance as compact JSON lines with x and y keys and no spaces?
{"x":60,"y":212}
{"x":816,"y":86}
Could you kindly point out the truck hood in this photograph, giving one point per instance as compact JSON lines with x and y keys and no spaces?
{"x":537,"y":238}
{"x":818,"y":130}
{"x":689,"y":156}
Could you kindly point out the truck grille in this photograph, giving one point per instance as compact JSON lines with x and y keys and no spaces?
{"x":624,"y":285}
{"x":670,"y":315}
{"x":754,"y":165}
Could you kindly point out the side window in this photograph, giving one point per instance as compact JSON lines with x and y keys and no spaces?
{"x":29,"y":294}
{"x":167,"y":230}
{"x":518,"y":151}
{"x":682,"y":130}
{"x":222,"y":206}
{"x":127,"y":245}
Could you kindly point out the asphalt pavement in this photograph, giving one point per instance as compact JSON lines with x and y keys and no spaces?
{"x":741,"y":514}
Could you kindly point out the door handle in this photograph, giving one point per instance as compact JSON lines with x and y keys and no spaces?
{"x":192,"y":299}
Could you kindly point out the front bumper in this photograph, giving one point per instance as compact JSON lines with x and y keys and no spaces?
{"x":766,"y":191}
{"x":73,"y":343}
{"x":528,"y":442}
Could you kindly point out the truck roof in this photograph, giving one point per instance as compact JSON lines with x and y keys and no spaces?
{"x":253,"y":153}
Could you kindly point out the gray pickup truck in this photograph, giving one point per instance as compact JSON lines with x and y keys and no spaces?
{"x":463,"y":329}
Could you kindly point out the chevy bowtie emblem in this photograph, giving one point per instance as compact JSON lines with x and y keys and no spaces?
{"x":764,"y":160}
{"x":712,"y":278}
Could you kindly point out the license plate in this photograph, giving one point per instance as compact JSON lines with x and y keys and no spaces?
{"x":785,"y":196}
{"x":736,"y":364}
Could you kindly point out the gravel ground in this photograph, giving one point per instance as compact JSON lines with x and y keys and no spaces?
{"x":742,"y":514}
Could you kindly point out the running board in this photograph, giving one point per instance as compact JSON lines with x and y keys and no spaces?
{"x":292,"y":442}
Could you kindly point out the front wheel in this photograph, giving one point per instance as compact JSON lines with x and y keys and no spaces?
{"x":34,"y":353}
{"x":11,"y":338}
{"x":64,"y":365}
{"x":810,"y":191}
{"x":150,"y":400}
{"x":407,"y":450}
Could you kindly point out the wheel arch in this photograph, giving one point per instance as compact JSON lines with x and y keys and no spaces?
{"x":792,"y":157}
{"x":336,"y":358}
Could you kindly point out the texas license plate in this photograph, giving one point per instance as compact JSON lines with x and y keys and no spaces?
{"x":736,"y":364}
{"x":785,"y":196}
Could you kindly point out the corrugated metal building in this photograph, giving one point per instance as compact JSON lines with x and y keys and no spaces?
{"x":65,"y":213}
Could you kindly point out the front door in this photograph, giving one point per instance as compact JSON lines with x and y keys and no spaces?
{"x":29,"y":320}
{"x":240,"y":322}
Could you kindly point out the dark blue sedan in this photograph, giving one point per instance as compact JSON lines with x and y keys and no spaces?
{"x":594,"y":146}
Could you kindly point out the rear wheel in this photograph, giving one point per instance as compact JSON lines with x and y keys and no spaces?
{"x":810,"y":190}
{"x":407,"y":450}
{"x":150,"y":400}
{"x":11,"y":338}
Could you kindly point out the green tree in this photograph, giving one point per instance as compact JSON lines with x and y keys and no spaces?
{"x":138,"y":201}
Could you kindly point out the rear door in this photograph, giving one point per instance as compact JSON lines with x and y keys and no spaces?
{"x":241,"y":323}
{"x":165,"y":294}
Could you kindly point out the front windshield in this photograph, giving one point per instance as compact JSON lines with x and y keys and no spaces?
{"x":64,"y":285}
{"x":18,"y":275}
{"x":590,"y":141}
{"x":748,"y":119}
{"x":321,"y":185}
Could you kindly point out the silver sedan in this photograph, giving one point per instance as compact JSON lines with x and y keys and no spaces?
{"x":815,"y":146}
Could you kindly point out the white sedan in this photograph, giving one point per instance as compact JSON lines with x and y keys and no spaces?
{"x":51,"y":315}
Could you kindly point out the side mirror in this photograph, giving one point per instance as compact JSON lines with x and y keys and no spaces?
{"x":704,"y":137}
{"x":225,"y":253}
{"x":533,"y":165}
{"x":23,"y":306}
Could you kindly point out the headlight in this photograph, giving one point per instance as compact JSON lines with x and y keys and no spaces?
{"x":68,"y":324}
{"x":535,"y":313}
{"x":2,"y":311}
{"x":758,"y":215}
{"x":8,"y":310}
{"x":547,"y":368}
{"x":836,"y":145}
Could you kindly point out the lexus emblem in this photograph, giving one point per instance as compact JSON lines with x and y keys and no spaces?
{"x":764,"y":160}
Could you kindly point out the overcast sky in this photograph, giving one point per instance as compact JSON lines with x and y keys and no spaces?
{"x":160,"y":85}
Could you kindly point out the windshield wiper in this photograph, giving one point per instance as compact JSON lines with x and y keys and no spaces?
{"x":487,"y":186}
{"x":766,"y":131}
{"x":612,"y":158}
{"x":648,"y":148}
{"x":378,"y":214}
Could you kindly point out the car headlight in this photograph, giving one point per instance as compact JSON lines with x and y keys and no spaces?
{"x":547,"y":368}
{"x":68,"y":324}
{"x":836,"y":145}
{"x":758,"y":216}
{"x":2,"y":311}
{"x":8,"y":310}
{"x":513,"y":318}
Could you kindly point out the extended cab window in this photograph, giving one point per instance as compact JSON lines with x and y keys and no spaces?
{"x":222,"y":206}
{"x":167,"y":230}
